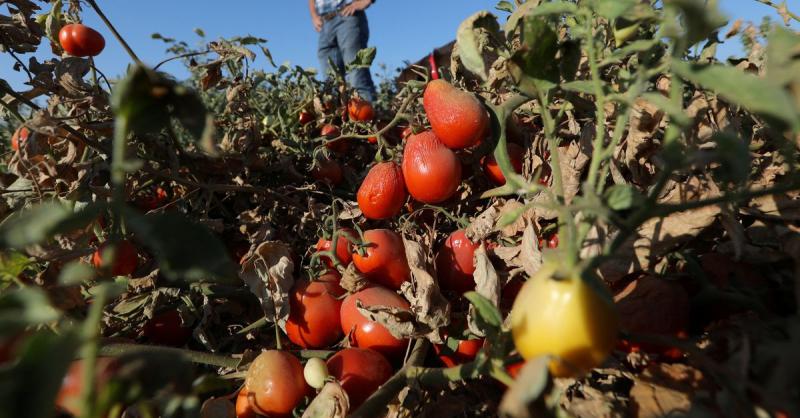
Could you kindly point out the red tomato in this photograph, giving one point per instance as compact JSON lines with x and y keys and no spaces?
{"x":19,"y":137}
{"x":69,"y":395}
{"x":152,"y":199}
{"x":515,"y":152}
{"x":432,"y":172}
{"x":243,"y":408}
{"x":80,"y":40}
{"x":369,"y":334}
{"x":550,"y":242}
{"x":328,"y":171}
{"x":464,"y":352}
{"x":385,"y":261}
{"x":343,"y":247}
{"x":383,"y":191}
{"x":360,"y":371}
{"x":454,"y":265}
{"x":513,"y":369}
{"x":305,"y":117}
{"x":166,"y":329}
{"x":374,"y":139}
{"x":314,"y":309}
{"x":457,"y":117}
{"x":276,"y":383}
{"x":406,"y":132}
{"x":360,"y":110}
{"x":332,"y":131}
{"x":125,"y":258}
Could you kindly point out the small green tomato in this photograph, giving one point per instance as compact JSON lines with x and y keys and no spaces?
{"x":315,"y":372}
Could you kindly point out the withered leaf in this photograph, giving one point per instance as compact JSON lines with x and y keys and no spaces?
{"x":398,"y":321}
{"x":486,"y":284}
{"x":268,"y":273}
{"x":427,"y":302}
{"x":330,"y":402}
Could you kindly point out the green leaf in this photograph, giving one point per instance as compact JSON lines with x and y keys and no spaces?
{"x":783,"y":59}
{"x":42,"y":222}
{"x":511,"y":216}
{"x":554,"y":8}
{"x":700,"y":18}
{"x":20,"y":308}
{"x":200,"y":32}
{"x":733,"y":155}
{"x":505,"y":6}
{"x":75,"y":272}
{"x":622,"y":197}
{"x":473,"y":36}
{"x":612,"y":9}
{"x":579,"y":86}
{"x":12,"y":264}
{"x":363,"y":59}
{"x":29,"y":386}
{"x":486,"y":310}
{"x":754,"y":93}
{"x":516,"y":17}
{"x":534,"y":65}
{"x":184,"y":250}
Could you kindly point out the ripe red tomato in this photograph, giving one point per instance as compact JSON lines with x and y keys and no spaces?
{"x":454,"y":265}
{"x":69,"y":395}
{"x":465,"y":351}
{"x":276,"y":383}
{"x":80,"y":40}
{"x":328,"y":171}
{"x":152,"y":199}
{"x":305,"y":117}
{"x":314,"y":309}
{"x":550,"y":242}
{"x":383,"y":191}
{"x":515,"y":152}
{"x":166,"y":329}
{"x":360,"y":371}
{"x":124,"y":261}
{"x":243,"y":408}
{"x":369,"y":334}
{"x":19,"y":137}
{"x":332,"y":131}
{"x":385,"y":260}
{"x":360,"y":110}
{"x":457,"y":117}
{"x":343,"y":247}
{"x":514,"y":368}
{"x":432,"y":171}
{"x":406,"y":132}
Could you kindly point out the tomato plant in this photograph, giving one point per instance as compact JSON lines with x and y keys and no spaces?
{"x":276,"y":384}
{"x":328,"y":171}
{"x":369,"y":334}
{"x":431,"y":171}
{"x":314,"y":309}
{"x":464,"y":351}
{"x":81,"y":41}
{"x":360,"y":371}
{"x":384,"y":258}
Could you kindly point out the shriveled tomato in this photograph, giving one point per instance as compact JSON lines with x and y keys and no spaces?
{"x":454,"y":264}
{"x":564,"y":317}
{"x":515,"y":152}
{"x":369,"y":334}
{"x":243,"y":408}
{"x":328,"y":171}
{"x":276,"y":384}
{"x":166,"y":328}
{"x":124,"y":258}
{"x":432,"y":171}
{"x":314,"y":309}
{"x":384,"y":261}
{"x":383,"y":191}
{"x":19,"y":137}
{"x":457,"y":117}
{"x":80,"y":40}
{"x":69,"y":395}
{"x":360,"y":110}
{"x":343,"y":247}
{"x":305,"y":117}
{"x":332,"y":131}
{"x":455,"y":352}
{"x":360,"y":371}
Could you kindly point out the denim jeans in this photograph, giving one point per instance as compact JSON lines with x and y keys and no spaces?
{"x":339,"y":40}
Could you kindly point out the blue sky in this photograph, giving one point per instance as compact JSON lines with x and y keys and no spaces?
{"x":400,"y":29}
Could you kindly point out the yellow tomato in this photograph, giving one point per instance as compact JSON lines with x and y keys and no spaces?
{"x":568,"y":319}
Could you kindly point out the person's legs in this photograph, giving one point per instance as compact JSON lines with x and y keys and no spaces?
{"x":328,"y":48}
{"x":352,"y":35}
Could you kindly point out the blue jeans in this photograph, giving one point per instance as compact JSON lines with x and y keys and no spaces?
{"x":339,"y":40}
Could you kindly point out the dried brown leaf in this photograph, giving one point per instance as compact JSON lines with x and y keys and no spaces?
{"x":268,"y":273}
{"x":330,"y":402}
{"x":487,"y":285}
{"x":573,"y":160}
{"x":399,"y":321}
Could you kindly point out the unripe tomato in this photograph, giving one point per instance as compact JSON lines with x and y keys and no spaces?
{"x":454,"y":263}
{"x":343,"y":247}
{"x":80,"y":40}
{"x":315,"y":372}
{"x":566,"y":318}
{"x":19,"y":137}
{"x":360,"y":371}
{"x":314,"y":309}
{"x":328,"y":171}
{"x":369,"y":334}
{"x":465,"y":351}
{"x":166,"y":329}
{"x":515,"y":152}
{"x":332,"y":131}
{"x":383,"y":191}
{"x":360,"y":110}
{"x":69,"y":395}
{"x":305,"y":117}
{"x":124,"y":260}
{"x":384,"y":261}
{"x":276,"y":384}
{"x":432,"y":171}
{"x":457,"y":117}
{"x":243,"y":408}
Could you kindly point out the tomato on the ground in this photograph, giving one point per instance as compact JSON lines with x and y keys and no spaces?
{"x":369,"y":334}
{"x":454,"y":263}
{"x":314,"y":312}
{"x":360,"y":371}
{"x":276,"y":384}
{"x":384,"y":261}
{"x":124,"y":258}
